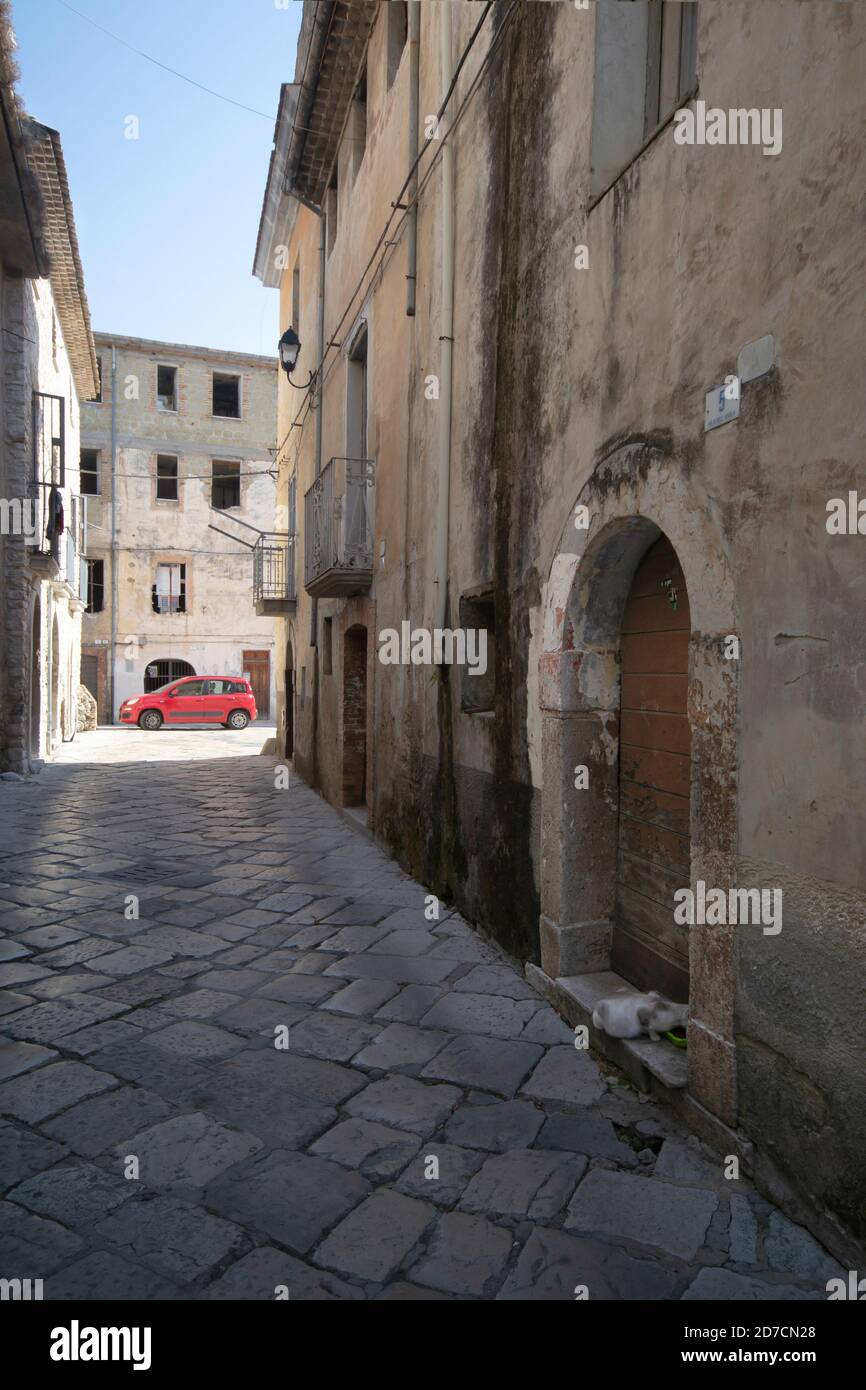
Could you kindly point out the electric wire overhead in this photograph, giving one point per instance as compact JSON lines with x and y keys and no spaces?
{"x":141,"y":54}
{"x":403,"y":208}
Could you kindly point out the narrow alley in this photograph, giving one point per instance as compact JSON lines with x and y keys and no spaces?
{"x":239,"y":1062}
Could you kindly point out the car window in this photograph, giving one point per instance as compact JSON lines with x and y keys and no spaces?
{"x":236,"y":688}
{"x":189,"y":688}
{"x":216,"y":687}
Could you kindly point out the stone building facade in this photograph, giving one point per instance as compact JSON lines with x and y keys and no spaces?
{"x":177,"y":459}
{"x":47,"y":367}
{"x":591,"y":382}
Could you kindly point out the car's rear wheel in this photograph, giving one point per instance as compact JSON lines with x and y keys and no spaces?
{"x":151,"y":720}
{"x":238,"y":719}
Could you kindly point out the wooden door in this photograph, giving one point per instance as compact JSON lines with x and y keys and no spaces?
{"x":257,"y":668}
{"x":649,"y":949}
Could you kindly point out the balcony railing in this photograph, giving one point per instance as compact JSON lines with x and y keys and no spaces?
{"x":338,"y":536}
{"x":274,"y":585}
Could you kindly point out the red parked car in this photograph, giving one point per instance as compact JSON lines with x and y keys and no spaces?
{"x":226,"y":700}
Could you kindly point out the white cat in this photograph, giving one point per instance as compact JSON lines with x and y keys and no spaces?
{"x":628,"y":1014}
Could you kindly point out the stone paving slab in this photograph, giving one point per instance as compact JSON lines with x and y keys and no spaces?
{"x":39,"y":1094}
{"x":23,"y":1154}
{"x":554,"y":1266}
{"x":488,"y":1063}
{"x":186,"y":1151}
{"x":376,"y":1239}
{"x":102,"y":1276}
{"x":330,"y":1096}
{"x":468,"y":1256}
{"x":174,"y":1238}
{"x":261,"y":1273}
{"x":74,"y":1194}
{"x":290,"y":1197}
{"x":95,"y":1125}
{"x":629,"y":1207}
{"x":19,"y":1057}
{"x":377,"y":1151}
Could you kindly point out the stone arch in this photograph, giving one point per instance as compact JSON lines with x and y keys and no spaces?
{"x":635,"y":495}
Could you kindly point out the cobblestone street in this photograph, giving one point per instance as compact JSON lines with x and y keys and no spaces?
{"x":429,"y":1131}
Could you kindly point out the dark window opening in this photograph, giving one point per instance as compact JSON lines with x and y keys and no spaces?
{"x":49,"y":439}
{"x":226,"y":485}
{"x":95,"y":585}
{"x":332,"y":209}
{"x":356,"y":405}
{"x":671,"y":58}
{"x":645,"y":68}
{"x":168,"y":594}
{"x":89,"y":473}
{"x":477,"y":691}
{"x":166,"y":477}
{"x":227,"y":396}
{"x":296,"y":296}
{"x":327,"y":646}
{"x":166,"y":388}
{"x":397,"y":31}
{"x":359,"y":123}
{"x":160,"y":673}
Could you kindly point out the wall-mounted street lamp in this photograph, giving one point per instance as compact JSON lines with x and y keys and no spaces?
{"x":289,"y":348}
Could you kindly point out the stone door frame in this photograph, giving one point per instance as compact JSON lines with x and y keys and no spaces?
{"x":635,"y":494}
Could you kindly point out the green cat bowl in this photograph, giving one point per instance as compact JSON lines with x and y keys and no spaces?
{"x":678,"y":1037}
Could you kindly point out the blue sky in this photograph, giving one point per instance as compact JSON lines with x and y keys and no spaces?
{"x":166,"y":223}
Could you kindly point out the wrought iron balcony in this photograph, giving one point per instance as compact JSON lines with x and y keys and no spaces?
{"x":274,"y":585}
{"x":338,"y":534}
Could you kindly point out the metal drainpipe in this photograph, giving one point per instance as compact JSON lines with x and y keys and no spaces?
{"x":314,"y":619}
{"x":446,"y":336}
{"x":113,"y":644}
{"x":414,"y":104}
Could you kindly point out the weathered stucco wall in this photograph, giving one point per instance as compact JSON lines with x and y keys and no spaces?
{"x":694,"y":252}
{"x":220,"y":620}
{"x":37,"y":707}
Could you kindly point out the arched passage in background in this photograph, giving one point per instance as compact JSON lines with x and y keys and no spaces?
{"x":36,"y":680}
{"x":162,"y":671}
{"x":54,"y":728}
{"x":289,"y":706}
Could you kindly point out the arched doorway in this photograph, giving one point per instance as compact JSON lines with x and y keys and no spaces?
{"x":289,"y":705}
{"x":163,"y":671}
{"x":654,"y":847}
{"x":355,"y":717}
{"x":36,"y":681}
{"x":639,"y":497}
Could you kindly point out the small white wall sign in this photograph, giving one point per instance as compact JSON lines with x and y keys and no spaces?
{"x":756,"y":358}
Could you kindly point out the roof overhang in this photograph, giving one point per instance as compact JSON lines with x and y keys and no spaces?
{"x":313,"y":112}
{"x":45,"y":157}
{"x":279,"y":208}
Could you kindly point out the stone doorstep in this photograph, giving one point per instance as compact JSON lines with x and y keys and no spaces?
{"x":656,"y":1067}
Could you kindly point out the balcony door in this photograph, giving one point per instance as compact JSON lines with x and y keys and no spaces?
{"x":355,"y":502}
